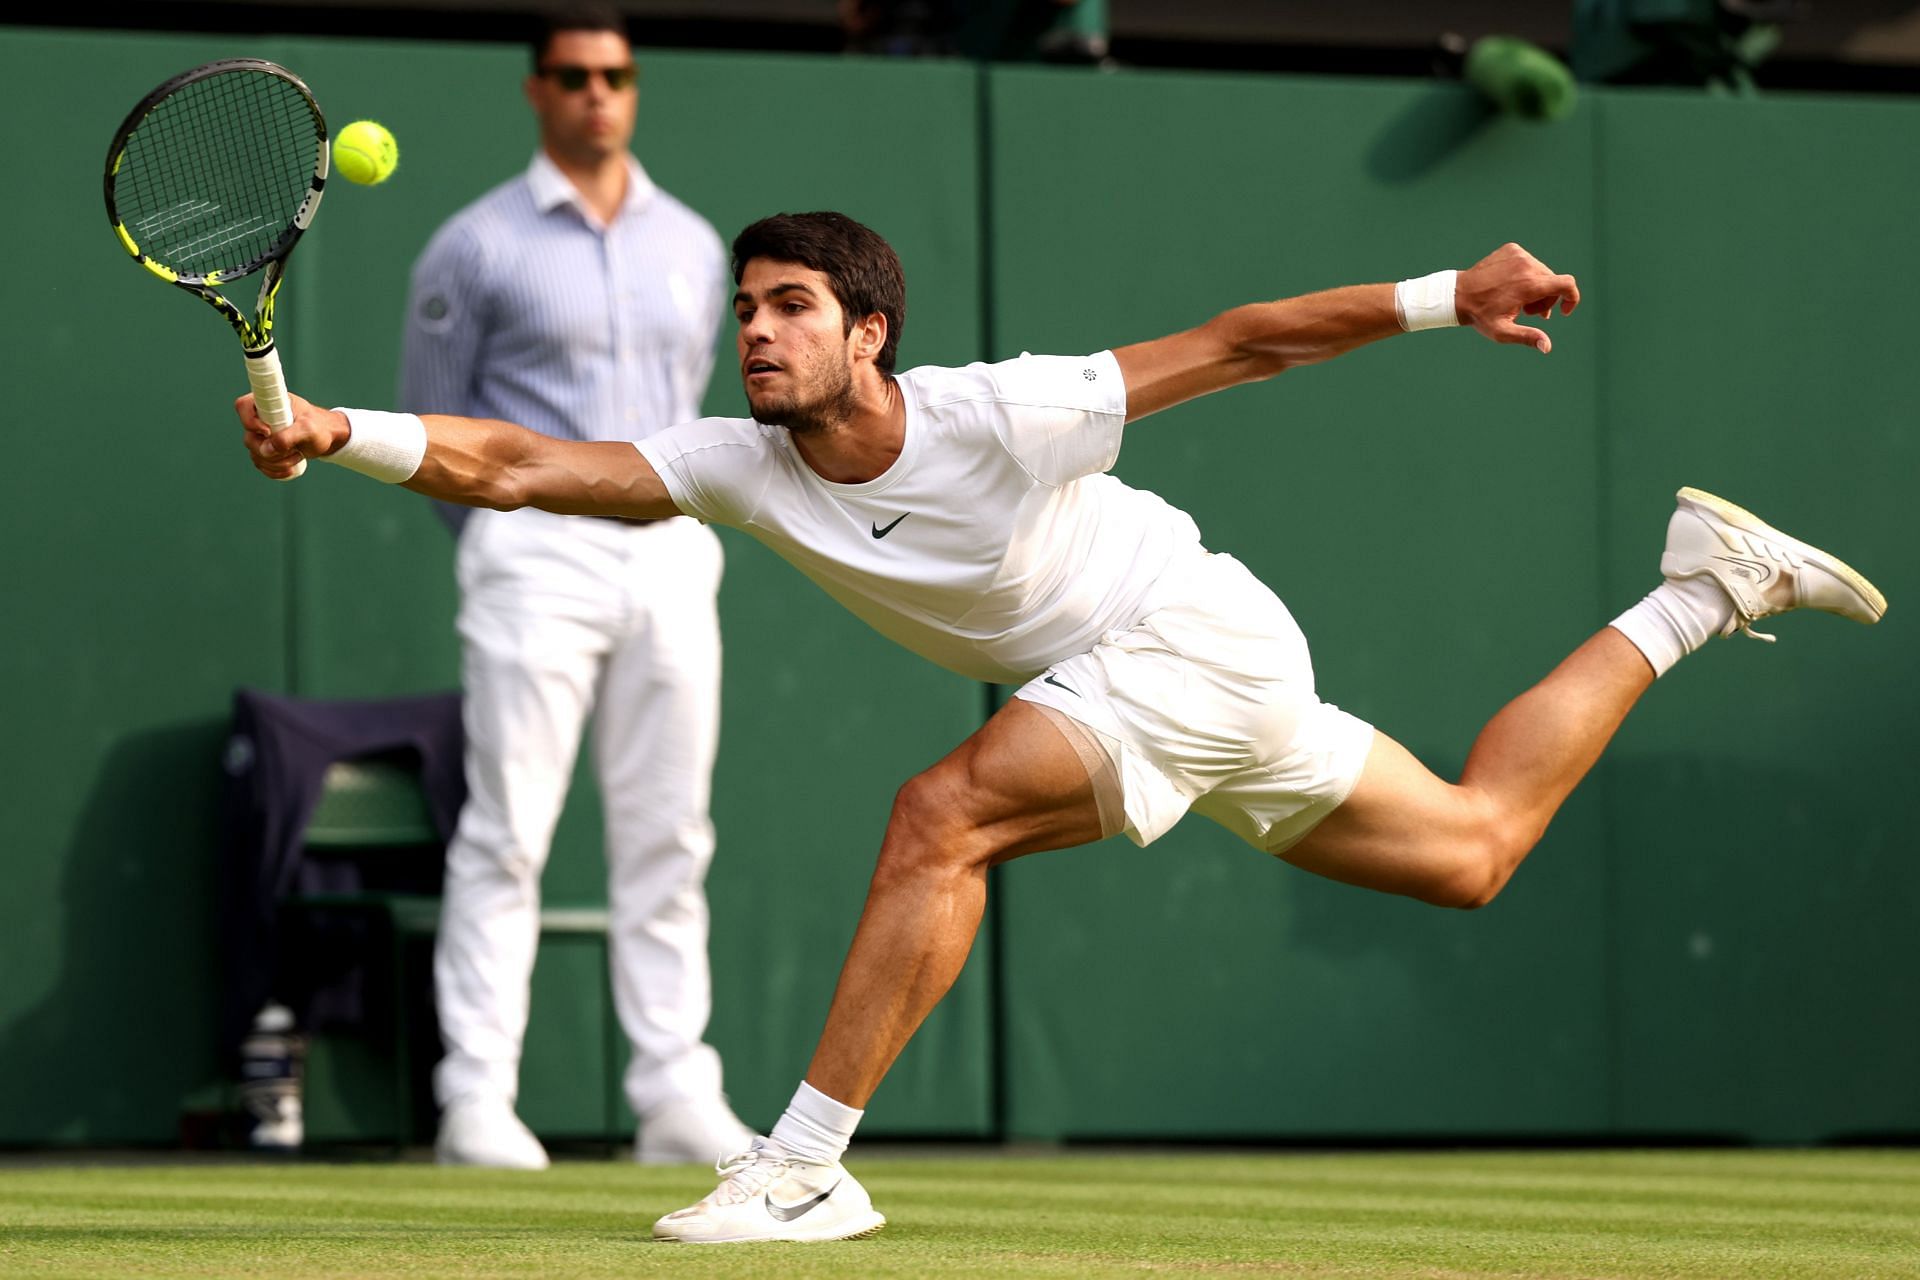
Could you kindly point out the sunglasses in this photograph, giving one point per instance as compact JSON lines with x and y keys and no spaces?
{"x":574,"y":79}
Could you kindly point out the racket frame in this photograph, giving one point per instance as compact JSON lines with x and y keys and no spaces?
{"x":256,"y":335}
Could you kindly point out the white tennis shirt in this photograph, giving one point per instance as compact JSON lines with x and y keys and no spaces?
{"x":994,"y":545}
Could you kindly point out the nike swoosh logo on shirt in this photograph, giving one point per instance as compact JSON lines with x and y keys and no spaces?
{"x":788,"y":1212}
{"x":878,"y":532}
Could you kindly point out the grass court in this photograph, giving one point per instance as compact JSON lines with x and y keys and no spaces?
{"x":1772,"y":1213}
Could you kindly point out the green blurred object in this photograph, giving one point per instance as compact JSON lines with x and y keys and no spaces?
{"x":1077,"y":33}
{"x":1522,"y":79}
{"x":1058,"y":31}
{"x":1718,"y":44}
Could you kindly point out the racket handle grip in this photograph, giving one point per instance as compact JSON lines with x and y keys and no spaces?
{"x":270,"y":394}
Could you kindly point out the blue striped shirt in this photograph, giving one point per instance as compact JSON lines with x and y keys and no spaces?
{"x":525,"y":307}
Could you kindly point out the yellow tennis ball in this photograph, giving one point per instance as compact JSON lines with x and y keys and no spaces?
{"x":365,"y":153}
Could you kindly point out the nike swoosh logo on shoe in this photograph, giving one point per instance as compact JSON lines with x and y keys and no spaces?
{"x":788,"y":1212}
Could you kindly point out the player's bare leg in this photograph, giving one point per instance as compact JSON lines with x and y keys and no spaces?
{"x":1405,"y":831}
{"x":1016,"y":786}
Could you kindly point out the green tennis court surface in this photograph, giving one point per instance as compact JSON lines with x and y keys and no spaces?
{"x":1722,"y":1214}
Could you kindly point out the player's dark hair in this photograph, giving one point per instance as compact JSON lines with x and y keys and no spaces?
{"x":573,"y":15}
{"x":861,"y":267}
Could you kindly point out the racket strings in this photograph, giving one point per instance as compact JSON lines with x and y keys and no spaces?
{"x":214,"y":175}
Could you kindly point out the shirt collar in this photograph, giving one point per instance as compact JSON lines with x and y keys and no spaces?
{"x":552,"y":188}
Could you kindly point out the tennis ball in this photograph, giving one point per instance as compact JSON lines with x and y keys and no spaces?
{"x":366,"y":153}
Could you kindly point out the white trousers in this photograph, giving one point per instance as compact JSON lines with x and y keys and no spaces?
{"x":562,"y":616}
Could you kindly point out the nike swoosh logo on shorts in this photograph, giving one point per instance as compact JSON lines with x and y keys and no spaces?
{"x":878,"y":532}
{"x":1056,"y":684}
{"x":788,"y":1212}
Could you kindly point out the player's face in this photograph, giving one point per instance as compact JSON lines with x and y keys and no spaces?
{"x":796,"y":357}
{"x":589,"y":123}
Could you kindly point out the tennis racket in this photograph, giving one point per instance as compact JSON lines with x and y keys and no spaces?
{"x":214,"y":176}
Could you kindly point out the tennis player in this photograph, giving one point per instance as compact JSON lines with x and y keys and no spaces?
{"x":967,"y":514}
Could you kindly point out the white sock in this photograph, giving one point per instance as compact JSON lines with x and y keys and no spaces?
{"x":815,"y":1127}
{"x":1677,"y":617}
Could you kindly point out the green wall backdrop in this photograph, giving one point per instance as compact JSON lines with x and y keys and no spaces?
{"x":1716,"y":937}
{"x":1383,"y":497}
{"x":1764,"y":884}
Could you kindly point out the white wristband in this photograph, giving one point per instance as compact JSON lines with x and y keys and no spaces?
{"x":386,"y":446}
{"x":1426,"y":302}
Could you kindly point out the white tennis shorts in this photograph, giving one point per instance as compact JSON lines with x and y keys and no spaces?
{"x":1208,"y":704}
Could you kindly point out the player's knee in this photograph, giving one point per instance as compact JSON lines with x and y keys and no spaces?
{"x":1464,"y":886}
{"x":927,"y":830}
{"x":1471,"y":892}
{"x":1481,"y":867}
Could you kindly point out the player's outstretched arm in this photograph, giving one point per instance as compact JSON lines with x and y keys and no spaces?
{"x":1254,"y":342}
{"x":478,"y":463}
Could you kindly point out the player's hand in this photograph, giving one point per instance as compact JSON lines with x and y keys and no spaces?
{"x":1507,"y":282}
{"x":313,"y":433}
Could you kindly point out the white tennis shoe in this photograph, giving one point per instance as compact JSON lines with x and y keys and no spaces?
{"x":690,"y":1131}
{"x":481,"y":1129}
{"x":767,"y":1194}
{"x":1762,"y":569}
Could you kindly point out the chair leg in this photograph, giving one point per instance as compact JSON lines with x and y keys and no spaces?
{"x":610,"y":1036}
{"x":402,"y":1050}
